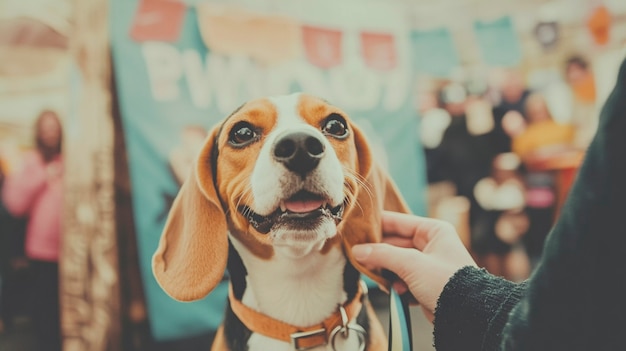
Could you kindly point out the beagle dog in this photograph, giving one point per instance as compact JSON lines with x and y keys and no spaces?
{"x":280,"y":192}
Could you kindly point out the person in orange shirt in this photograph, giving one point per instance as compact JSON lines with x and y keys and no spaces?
{"x":542,"y":134}
{"x":540,"y":139}
{"x":580,"y":77}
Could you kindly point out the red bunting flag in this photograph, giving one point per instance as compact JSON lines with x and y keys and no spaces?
{"x":322,"y":46}
{"x":159,"y":20}
{"x":379,"y":51}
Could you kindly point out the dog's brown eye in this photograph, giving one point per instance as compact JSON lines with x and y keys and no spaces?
{"x":335,"y":125}
{"x":242,"y":134}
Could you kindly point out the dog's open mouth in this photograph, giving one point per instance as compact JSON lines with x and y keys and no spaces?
{"x":302,"y":210}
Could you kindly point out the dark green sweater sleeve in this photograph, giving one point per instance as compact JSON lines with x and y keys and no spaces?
{"x":576,"y":297}
{"x":473,"y":309}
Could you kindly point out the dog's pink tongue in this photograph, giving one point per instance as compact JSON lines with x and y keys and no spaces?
{"x":303,"y":206}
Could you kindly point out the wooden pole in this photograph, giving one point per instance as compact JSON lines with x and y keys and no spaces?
{"x":90,"y":299}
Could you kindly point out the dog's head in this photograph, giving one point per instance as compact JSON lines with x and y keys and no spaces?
{"x":285,"y":176}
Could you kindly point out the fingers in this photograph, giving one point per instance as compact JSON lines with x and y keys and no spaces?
{"x":402,"y":289}
{"x":398,"y":241}
{"x":419,"y":230}
{"x":401,"y":261}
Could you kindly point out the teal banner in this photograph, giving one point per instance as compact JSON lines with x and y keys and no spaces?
{"x":172,"y":89}
{"x":498,"y":42}
{"x":434,"y":52}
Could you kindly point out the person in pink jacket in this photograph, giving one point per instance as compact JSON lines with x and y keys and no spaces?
{"x":35,"y":191}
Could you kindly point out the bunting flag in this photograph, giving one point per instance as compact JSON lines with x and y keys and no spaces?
{"x":322,"y":46}
{"x":498,"y":42}
{"x":599,"y":25}
{"x":434,"y":52}
{"x":233,"y":30}
{"x":378,"y":50}
{"x":170,"y":93}
{"x":158,"y":20}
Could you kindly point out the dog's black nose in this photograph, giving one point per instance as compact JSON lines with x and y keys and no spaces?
{"x":300,"y":152}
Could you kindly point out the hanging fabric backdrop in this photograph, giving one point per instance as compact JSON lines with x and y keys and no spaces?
{"x":180,"y":69}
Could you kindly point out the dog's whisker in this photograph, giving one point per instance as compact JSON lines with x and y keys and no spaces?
{"x":361,"y":181}
{"x":365,"y":186}
{"x":243,"y":197}
{"x":350,"y":197}
{"x":348,"y":192}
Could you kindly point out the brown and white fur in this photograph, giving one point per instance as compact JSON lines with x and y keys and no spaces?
{"x":281,"y":190}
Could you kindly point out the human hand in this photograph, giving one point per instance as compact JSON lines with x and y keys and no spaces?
{"x":423,"y":252}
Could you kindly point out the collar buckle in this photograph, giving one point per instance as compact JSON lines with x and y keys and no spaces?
{"x":297,"y":338}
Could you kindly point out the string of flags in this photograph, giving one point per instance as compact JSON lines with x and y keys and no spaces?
{"x":278,"y":38}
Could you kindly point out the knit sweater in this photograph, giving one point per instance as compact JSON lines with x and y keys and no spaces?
{"x":473,"y":309}
{"x":576,"y":298}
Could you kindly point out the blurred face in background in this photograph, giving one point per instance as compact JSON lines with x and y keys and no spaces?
{"x":454,"y":98}
{"x":575,"y":73}
{"x":537,"y":109}
{"x":580,"y":78}
{"x":505,"y":167}
{"x":512,"y":87}
{"x":48,"y":134}
{"x":455,"y":109}
{"x":513,"y":123}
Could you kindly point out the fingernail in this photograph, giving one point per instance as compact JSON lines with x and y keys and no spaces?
{"x":361,"y":252}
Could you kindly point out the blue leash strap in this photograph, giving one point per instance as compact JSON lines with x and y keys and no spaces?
{"x":400,"y":337}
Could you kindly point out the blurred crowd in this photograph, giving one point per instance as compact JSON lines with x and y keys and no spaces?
{"x":497,"y":160}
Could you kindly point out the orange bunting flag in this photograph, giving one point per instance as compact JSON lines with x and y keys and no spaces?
{"x":159,"y":20}
{"x":322,"y":46}
{"x":235,"y":30}
{"x":379,"y":51}
{"x":599,"y":25}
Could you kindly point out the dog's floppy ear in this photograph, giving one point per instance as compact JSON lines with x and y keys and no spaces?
{"x":191,"y":258}
{"x":362,"y":224}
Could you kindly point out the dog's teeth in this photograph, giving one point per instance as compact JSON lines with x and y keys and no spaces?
{"x":283,"y":208}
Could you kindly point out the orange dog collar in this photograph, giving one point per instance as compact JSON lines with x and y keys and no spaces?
{"x":303,"y":338}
